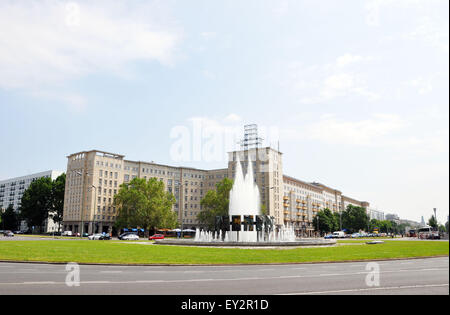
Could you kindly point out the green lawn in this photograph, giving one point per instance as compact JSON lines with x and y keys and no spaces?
{"x":128,"y":253}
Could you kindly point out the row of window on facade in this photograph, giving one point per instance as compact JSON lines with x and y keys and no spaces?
{"x":101,"y":163}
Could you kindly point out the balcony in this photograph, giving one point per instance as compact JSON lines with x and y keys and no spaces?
{"x":285,"y":198}
{"x":285,"y":205}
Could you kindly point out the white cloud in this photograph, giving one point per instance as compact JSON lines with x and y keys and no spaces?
{"x":344,"y":77}
{"x":47,"y":42}
{"x":233,"y":118}
{"x":375,"y":8}
{"x":349,"y":59}
{"x":208,"y":35}
{"x":368,"y":132}
{"x":422,"y":85}
{"x":431,"y":32}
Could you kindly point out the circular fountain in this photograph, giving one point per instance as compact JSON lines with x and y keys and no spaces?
{"x":245,"y":226}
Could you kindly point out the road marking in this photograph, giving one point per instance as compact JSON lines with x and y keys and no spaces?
{"x":111,"y":271}
{"x":95,"y":282}
{"x":371,"y":289}
{"x":226,"y":279}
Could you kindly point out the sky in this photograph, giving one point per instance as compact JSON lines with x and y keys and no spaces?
{"x":354,"y":93}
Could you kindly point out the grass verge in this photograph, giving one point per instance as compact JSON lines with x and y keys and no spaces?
{"x":111,"y":252}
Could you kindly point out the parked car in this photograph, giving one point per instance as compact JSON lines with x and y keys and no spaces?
{"x":356,"y":235}
{"x":156,"y":237}
{"x":67,"y":233}
{"x":8,"y":234}
{"x":121,"y":236}
{"x":130,"y":237}
{"x":339,"y":234}
{"x":329,"y":236}
{"x":99,"y":237}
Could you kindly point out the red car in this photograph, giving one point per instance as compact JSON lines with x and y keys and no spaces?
{"x":156,"y":237}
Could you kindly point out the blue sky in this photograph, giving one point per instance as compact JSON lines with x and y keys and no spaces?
{"x":357,"y":91}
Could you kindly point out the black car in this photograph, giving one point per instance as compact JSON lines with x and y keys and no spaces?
{"x":105,"y":237}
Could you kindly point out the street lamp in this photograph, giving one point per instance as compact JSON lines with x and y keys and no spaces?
{"x":83,"y":201}
{"x":95,"y":208}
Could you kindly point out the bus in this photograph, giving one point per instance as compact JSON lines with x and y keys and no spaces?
{"x":412,"y":233}
{"x":427,"y":233}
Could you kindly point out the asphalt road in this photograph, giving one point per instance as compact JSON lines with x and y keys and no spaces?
{"x":421,"y":276}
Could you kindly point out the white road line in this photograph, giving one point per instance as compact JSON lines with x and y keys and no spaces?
{"x":228,"y":279}
{"x":111,"y":271}
{"x":371,"y":289}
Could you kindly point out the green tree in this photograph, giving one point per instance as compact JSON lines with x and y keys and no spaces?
{"x":145,"y":204}
{"x":326,"y":221}
{"x":37,"y":202}
{"x":263,"y":209}
{"x":10,"y":219}
{"x":57,"y":208}
{"x":355,"y":219}
{"x":215,"y":203}
{"x":433,"y":222}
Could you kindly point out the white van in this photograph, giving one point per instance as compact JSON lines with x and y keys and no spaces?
{"x":67,"y":233}
{"x":339,"y":234}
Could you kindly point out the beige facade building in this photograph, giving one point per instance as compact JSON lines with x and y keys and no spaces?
{"x":94,"y":178}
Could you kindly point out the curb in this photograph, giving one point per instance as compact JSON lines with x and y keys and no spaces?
{"x":219,"y":265}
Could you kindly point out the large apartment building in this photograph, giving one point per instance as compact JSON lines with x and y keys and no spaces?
{"x":94,"y":178}
{"x":11,"y":192}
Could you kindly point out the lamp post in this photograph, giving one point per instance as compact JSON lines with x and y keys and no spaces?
{"x":318,"y":224}
{"x":95,"y":208}
{"x":83,"y":201}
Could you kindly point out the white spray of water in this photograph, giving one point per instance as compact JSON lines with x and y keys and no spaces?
{"x":244,"y":196}
{"x":245,"y":200}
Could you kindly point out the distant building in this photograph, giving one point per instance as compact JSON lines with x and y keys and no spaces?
{"x":94,"y":178}
{"x":11,"y":192}
{"x":392,"y":217}
{"x":375,"y":214}
{"x":422,"y":222}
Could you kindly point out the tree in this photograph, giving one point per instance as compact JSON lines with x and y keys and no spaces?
{"x":57,"y":202}
{"x":433,"y":222}
{"x":337,"y":220}
{"x":145,"y":204}
{"x":264,"y":209}
{"x":37,"y":202}
{"x":215,"y":203}
{"x":326,"y":221}
{"x":10,"y":219}
{"x":355,"y":219}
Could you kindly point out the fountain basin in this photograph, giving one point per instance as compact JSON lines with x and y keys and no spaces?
{"x":297,"y":243}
